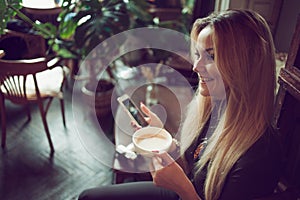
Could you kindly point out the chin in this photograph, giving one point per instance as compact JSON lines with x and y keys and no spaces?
{"x":204,"y":93}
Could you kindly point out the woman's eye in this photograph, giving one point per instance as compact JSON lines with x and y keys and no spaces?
{"x":207,"y":56}
{"x":211,"y":56}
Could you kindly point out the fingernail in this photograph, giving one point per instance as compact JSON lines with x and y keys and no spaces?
{"x":155,"y":151}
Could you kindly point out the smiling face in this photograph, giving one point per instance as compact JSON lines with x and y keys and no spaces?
{"x":210,"y":80}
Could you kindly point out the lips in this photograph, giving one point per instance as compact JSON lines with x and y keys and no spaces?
{"x":205,"y":79}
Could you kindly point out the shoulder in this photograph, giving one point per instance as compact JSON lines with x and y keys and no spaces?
{"x":256,"y":173}
{"x":265,"y":154}
{"x":267,"y":148}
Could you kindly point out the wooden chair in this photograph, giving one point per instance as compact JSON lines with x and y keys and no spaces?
{"x":286,"y":120}
{"x":31,"y":80}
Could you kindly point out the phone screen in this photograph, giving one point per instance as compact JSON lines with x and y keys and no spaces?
{"x":135,"y":112}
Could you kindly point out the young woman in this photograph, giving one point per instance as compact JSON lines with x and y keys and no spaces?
{"x":229,"y":149}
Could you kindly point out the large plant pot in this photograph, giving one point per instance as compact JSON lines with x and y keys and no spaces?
{"x":100,"y":99}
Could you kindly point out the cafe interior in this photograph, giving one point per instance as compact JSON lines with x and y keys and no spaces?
{"x":71,"y":133}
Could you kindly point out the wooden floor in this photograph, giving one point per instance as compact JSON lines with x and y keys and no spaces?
{"x":28,"y":171}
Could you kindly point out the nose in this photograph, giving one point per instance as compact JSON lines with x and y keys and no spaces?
{"x":199,"y":65}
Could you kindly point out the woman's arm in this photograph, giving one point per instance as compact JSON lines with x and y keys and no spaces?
{"x":168,"y":174}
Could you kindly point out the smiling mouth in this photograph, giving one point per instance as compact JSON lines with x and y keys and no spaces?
{"x":205,"y":80}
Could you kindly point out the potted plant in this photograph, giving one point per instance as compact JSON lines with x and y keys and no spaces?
{"x":85,"y":24}
{"x":82,"y":26}
{"x":88,"y":23}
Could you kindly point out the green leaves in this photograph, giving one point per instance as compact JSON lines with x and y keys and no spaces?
{"x":139,"y":10}
{"x":89,"y":22}
{"x":86,"y":23}
{"x":6,"y":14}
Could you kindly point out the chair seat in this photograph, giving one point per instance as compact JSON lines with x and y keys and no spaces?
{"x":49,"y":83}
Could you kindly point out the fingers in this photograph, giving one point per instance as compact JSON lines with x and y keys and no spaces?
{"x":135,"y":125}
{"x":154,"y":166}
{"x":145,"y":109}
{"x":157,"y":163}
{"x":152,"y":169}
{"x":165,"y":158}
{"x":151,"y":118}
{"x":148,"y":119}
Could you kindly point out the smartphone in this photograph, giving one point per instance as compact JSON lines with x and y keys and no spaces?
{"x":132,"y":110}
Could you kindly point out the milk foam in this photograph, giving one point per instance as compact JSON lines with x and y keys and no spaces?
{"x":153,"y":143}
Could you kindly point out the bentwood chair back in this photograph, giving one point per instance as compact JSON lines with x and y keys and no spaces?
{"x":27,"y":81}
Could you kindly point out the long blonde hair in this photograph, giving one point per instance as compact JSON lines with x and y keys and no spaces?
{"x":244,"y":55}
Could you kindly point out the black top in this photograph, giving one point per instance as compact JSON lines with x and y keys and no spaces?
{"x":254,"y":175}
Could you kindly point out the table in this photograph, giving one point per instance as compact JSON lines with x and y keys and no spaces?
{"x":172,"y":102}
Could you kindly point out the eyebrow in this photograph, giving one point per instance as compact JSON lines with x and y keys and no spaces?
{"x":209,"y":49}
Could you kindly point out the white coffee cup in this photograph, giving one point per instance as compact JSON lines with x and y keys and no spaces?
{"x":149,"y":140}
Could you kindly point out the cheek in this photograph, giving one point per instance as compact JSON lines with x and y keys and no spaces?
{"x":212,"y":70}
{"x":219,"y":88}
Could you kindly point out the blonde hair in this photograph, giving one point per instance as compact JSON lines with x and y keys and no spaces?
{"x":244,"y":55}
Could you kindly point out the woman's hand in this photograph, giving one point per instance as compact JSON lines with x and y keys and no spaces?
{"x":152,"y":118}
{"x":168,"y":174}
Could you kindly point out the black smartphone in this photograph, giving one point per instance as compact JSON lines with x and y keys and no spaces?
{"x":132,"y":110}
